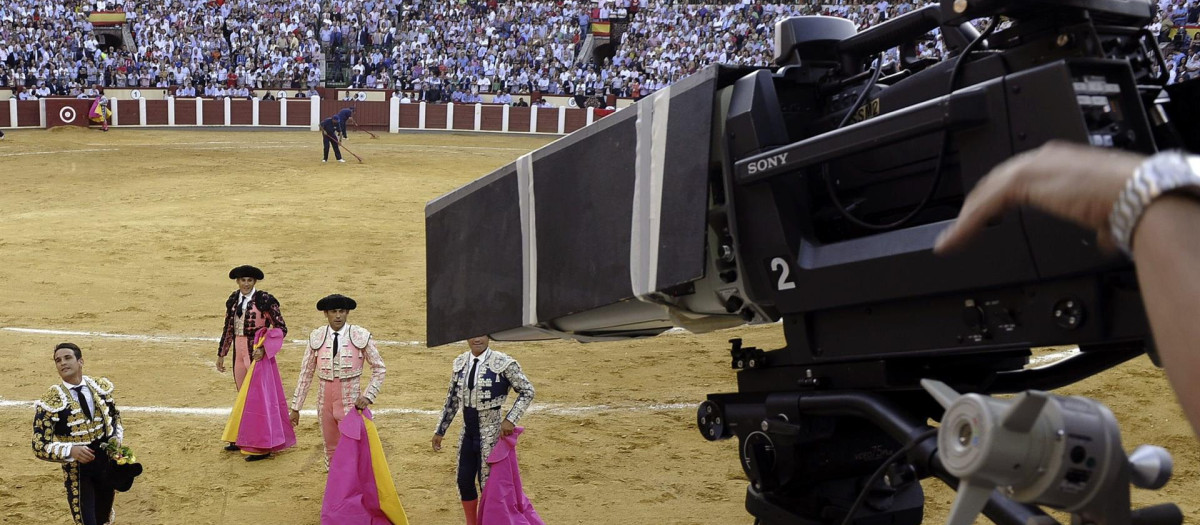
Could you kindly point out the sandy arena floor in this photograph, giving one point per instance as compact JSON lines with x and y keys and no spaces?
{"x":133,"y":232}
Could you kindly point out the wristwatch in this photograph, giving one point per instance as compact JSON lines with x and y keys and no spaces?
{"x":1162,"y":174}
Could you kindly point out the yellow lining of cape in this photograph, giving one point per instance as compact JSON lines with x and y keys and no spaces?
{"x":230,"y":435}
{"x":389,"y":501}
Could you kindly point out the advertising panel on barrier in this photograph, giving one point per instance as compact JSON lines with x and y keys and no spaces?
{"x":67,"y":112}
{"x":368,"y":114}
{"x":362,"y":95}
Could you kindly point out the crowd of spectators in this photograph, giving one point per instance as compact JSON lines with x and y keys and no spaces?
{"x":1181,"y":51}
{"x":426,"y":49}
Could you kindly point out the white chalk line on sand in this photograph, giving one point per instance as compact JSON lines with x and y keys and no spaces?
{"x":431,"y":146}
{"x":165,"y":338}
{"x":193,"y":339}
{"x":168,"y":338}
{"x":177,"y":144}
{"x":553,"y":409}
{"x":56,"y":152}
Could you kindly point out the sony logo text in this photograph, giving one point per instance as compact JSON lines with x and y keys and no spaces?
{"x":768,"y":163}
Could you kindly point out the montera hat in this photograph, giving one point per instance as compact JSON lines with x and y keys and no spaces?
{"x":119,"y":477}
{"x":336,"y":302}
{"x":246,"y":270}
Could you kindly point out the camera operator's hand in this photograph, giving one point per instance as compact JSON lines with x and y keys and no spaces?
{"x":1081,"y":184}
{"x":1070,"y":181}
{"x":82,"y":454}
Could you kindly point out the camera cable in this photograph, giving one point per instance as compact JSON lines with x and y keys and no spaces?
{"x":862,"y":496}
{"x":937,"y":172}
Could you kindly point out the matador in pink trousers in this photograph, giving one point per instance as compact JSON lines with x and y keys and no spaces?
{"x":246,"y":311}
{"x":337,"y":352}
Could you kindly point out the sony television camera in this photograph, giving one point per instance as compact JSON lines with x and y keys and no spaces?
{"x":810,"y":194}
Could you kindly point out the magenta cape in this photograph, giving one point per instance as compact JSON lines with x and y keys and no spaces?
{"x":259,"y":422}
{"x":360,"y":490}
{"x":98,"y":112}
{"x":503,"y":501}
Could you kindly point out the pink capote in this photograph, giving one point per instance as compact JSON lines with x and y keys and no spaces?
{"x":94,"y":112}
{"x":265,"y":425}
{"x":503,"y":501}
{"x":351,"y":493}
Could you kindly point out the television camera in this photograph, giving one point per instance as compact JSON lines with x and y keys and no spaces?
{"x":810,"y":194}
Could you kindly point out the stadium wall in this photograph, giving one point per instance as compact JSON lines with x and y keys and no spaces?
{"x":391,"y":115}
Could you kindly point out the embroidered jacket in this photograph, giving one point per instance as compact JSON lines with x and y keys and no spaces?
{"x":347,"y":365}
{"x":263,"y":310}
{"x":498,"y":373}
{"x":59,"y":423}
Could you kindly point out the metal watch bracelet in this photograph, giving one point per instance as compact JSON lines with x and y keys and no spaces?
{"x":1160,"y":174}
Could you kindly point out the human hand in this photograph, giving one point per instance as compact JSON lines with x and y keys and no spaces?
{"x":1069,"y":181}
{"x":82,"y":454}
{"x":294,"y":415}
{"x":221,"y":364}
{"x":362,"y":402}
{"x":437,"y":442}
{"x":258,"y":354}
{"x":506,"y":428}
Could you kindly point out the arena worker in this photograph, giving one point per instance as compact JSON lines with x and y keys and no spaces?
{"x":329,"y":133}
{"x":336,"y":352}
{"x":479,"y":384}
{"x":343,"y":116}
{"x":246,"y":311}
{"x":74,"y":423}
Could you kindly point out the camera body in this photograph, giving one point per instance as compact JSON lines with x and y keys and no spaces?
{"x":811,"y":193}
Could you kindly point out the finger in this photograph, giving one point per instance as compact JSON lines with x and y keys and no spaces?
{"x":994,"y":194}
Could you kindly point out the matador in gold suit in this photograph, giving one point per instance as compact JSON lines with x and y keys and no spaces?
{"x":71,"y":422}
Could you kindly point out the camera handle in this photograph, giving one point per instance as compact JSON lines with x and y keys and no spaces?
{"x":1059,"y":451}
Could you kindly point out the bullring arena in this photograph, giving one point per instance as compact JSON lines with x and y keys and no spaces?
{"x":121,"y":242}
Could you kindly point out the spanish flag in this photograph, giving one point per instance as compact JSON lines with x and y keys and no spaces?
{"x":1192,"y":31}
{"x":359,"y":490}
{"x":107,"y":18}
